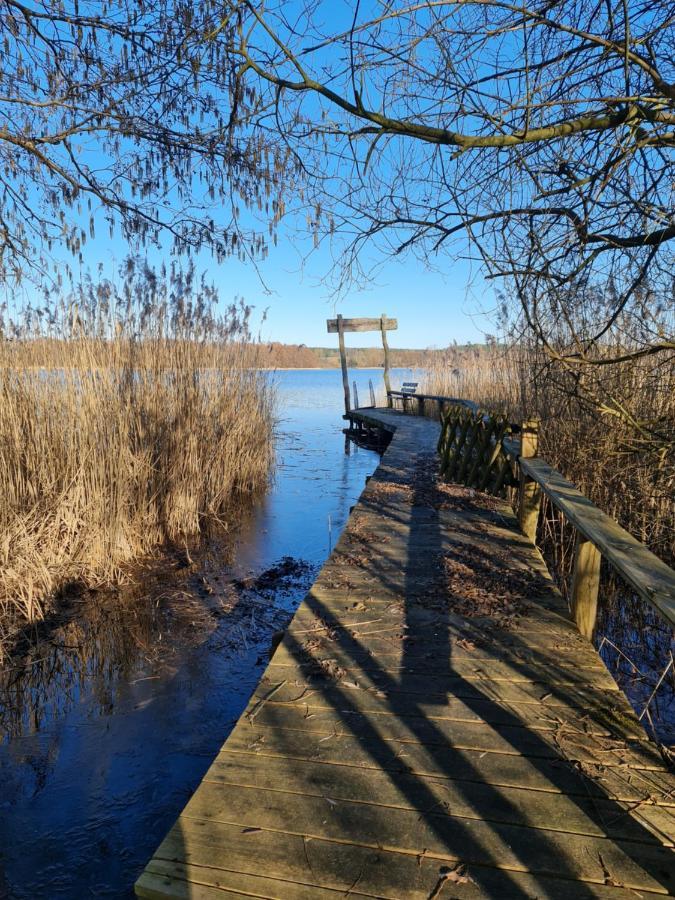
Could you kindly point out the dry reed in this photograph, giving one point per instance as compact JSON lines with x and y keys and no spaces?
{"x":127,"y":419}
{"x":628,"y":474}
{"x":625,"y":465}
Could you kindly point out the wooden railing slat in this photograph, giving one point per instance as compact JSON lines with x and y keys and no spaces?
{"x":648,"y":575}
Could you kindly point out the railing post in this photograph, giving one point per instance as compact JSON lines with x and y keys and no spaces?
{"x":385,"y":345}
{"x":343,"y":363}
{"x":585,"y":585}
{"x":529,"y":491}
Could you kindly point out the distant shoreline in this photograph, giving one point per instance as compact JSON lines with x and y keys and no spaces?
{"x":326,"y":368}
{"x":283,"y":357}
{"x":330,"y":368}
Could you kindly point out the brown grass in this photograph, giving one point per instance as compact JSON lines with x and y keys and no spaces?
{"x":626,"y":472}
{"x":110,"y":446}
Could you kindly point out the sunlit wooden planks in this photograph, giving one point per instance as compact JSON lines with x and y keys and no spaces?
{"x":396,"y":748}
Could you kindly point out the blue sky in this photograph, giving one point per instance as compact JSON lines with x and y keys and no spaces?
{"x":434,"y":306}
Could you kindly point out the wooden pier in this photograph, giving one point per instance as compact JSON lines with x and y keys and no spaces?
{"x":432,"y":725}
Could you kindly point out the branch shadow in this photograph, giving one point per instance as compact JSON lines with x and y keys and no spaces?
{"x":409,"y":842}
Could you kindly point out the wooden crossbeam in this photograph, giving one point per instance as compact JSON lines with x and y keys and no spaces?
{"x":362,"y":325}
{"x":340,"y":325}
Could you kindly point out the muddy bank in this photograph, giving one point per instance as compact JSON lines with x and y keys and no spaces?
{"x":112,"y":714}
{"x":96,"y":641}
{"x":117,"y":706}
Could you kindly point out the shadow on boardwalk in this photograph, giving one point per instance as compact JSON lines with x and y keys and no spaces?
{"x":398,"y":749}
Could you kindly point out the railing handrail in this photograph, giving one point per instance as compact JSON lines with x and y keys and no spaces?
{"x":456,"y":401}
{"x":644,"y":571}
{"x":598,"y":534}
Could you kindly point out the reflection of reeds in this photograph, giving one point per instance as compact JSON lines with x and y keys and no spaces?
{"x":95,"y":649}
{"x":120,"y":429}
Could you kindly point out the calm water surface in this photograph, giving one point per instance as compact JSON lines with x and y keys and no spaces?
{"x":107,"y":732}
{"x":109,"y":729}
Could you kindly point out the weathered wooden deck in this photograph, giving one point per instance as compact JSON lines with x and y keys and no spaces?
{"x":400,"y":746}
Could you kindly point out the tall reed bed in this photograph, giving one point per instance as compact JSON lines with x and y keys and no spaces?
{"x":128,"y":417}
{"x":625,"y":465}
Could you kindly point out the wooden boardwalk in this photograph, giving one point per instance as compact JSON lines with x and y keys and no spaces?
{"x":431,"y":726}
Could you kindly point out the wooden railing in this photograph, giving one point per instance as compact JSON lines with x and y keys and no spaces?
{"x":418,"y":400}
{"x":598,"y":535}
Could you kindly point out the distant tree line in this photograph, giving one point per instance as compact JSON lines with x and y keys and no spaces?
{"x":299,"y":356}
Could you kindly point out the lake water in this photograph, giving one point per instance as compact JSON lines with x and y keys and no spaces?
{"x":120,"y":710}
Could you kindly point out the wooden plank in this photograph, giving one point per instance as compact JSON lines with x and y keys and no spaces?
{"x":162,"y":879}
{"x":602,"y":713}
{"x":635,"y":864}
{"x":393,"y":743}
{"x":213,"y":883}
{"x":384,"y":327}
{"x":649,"y":576}
{"x":350,"y":604}
{"x":516,"y":740}
{"x":293,"y":862}
{"x":363,"y":324}
{"x":641,"y":787}
{"x":445,"y":651}
{"x":456,"y":638}
{"x":345,"y":593}
{"x":343,"y":364}
{"x":476,"y":688}
{"x":586,"y":671}
{"x":369,"y":417}
{"x":467,"y":799}
{"x":171,"y":879}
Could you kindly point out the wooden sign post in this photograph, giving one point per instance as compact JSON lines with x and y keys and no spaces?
{"x":340,"y":325}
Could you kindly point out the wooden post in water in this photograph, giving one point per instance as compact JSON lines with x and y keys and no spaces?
{"x":340,"y":325}
{"x":585,"y":585}
{"x":385,"y":344}
{"x":356,"y":396}
{"x":343,"y":362}
{"x":530,"y":492}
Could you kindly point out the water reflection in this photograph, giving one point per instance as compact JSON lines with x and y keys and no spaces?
{"x":119,"y":706}
{"x":637,"y":646}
